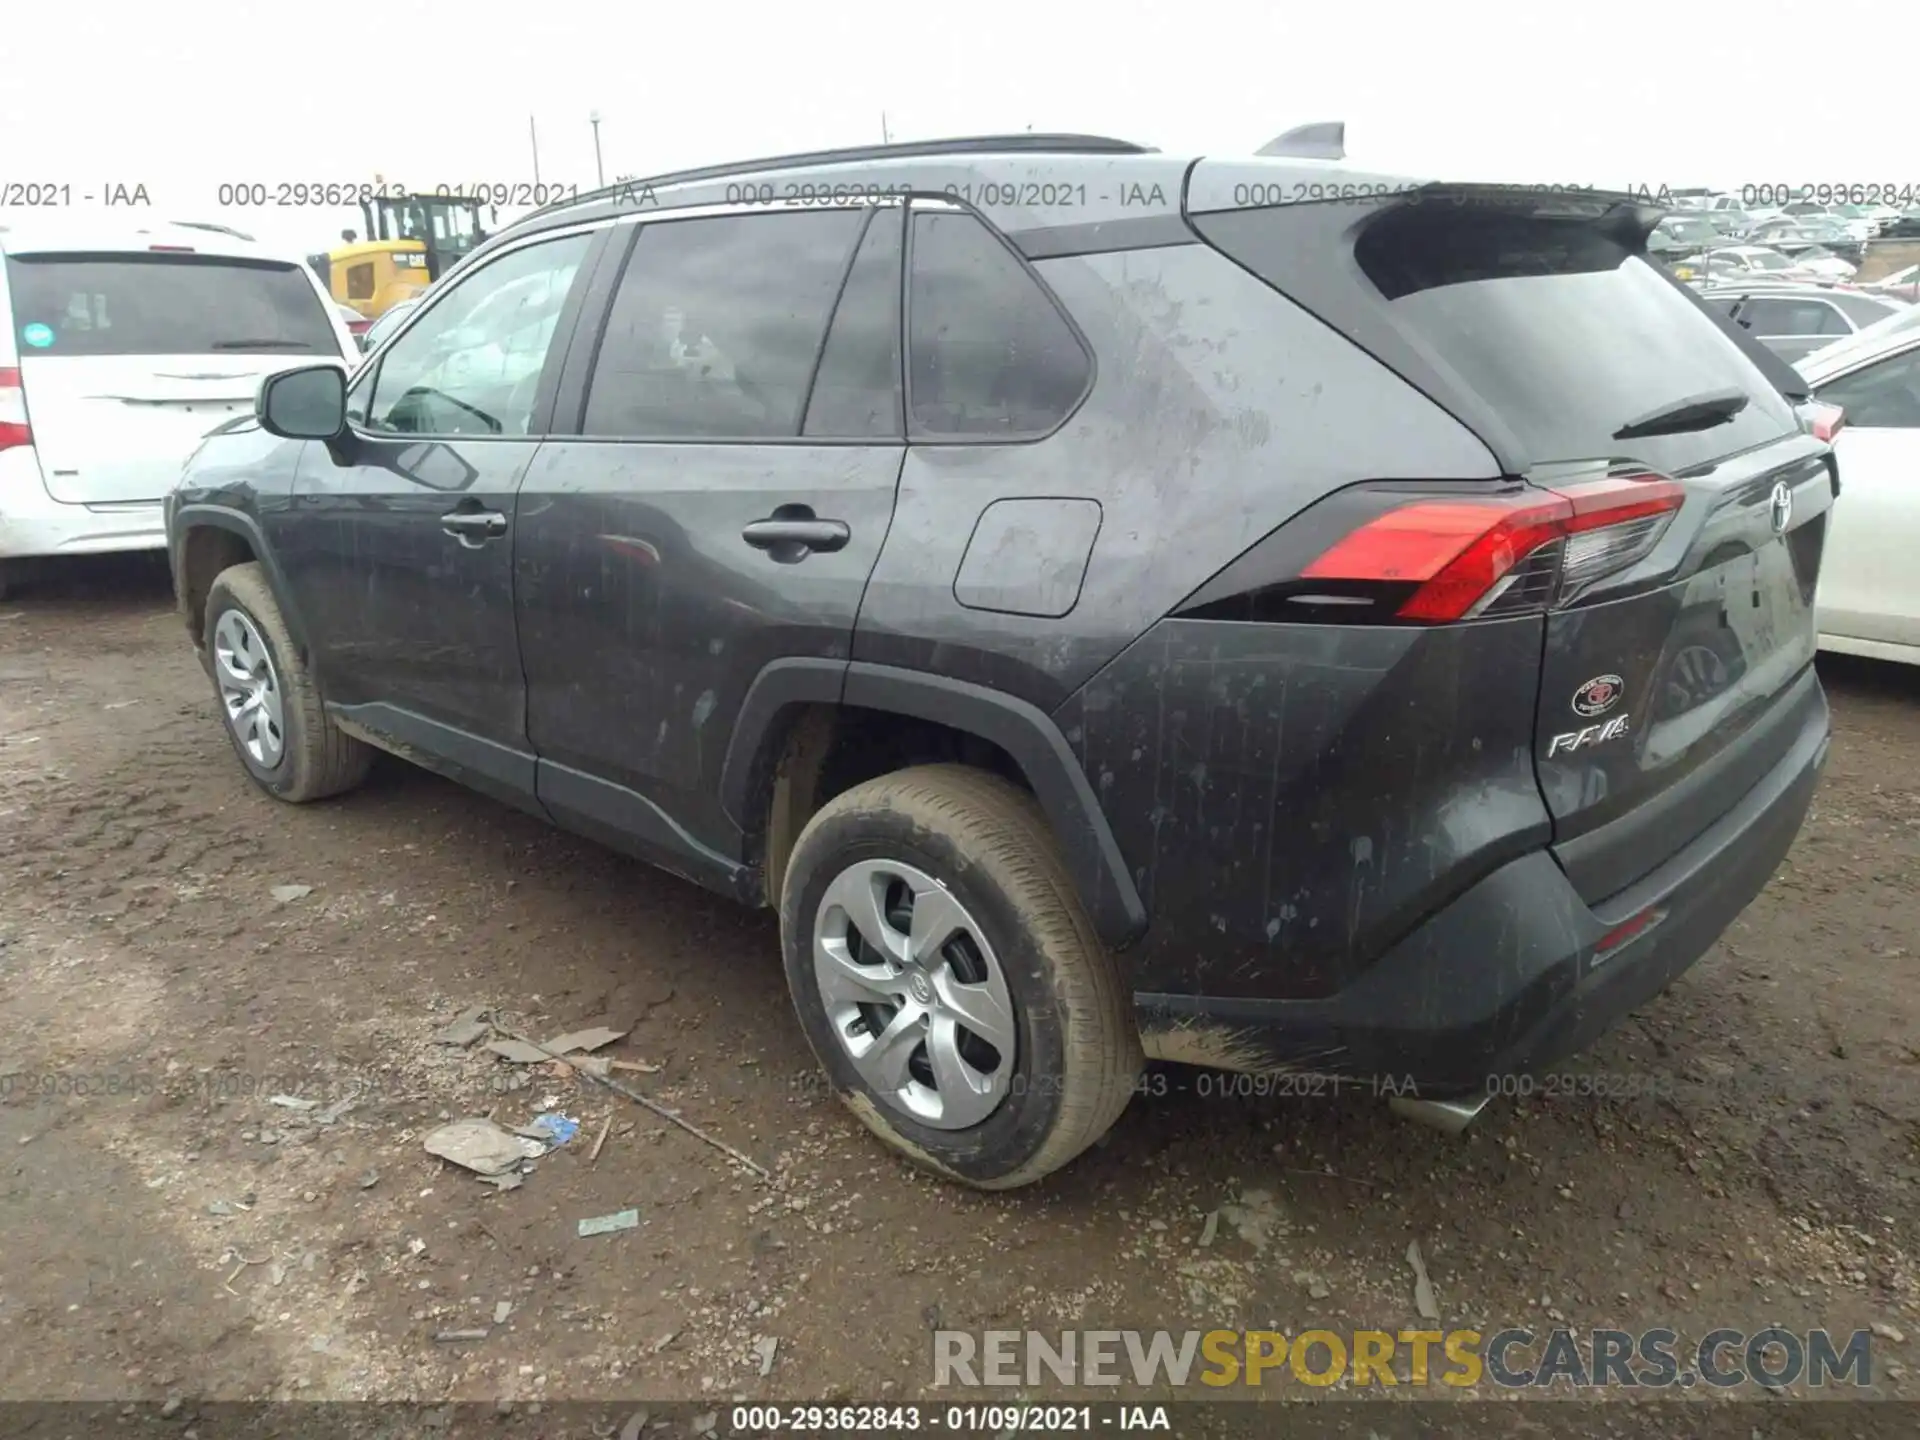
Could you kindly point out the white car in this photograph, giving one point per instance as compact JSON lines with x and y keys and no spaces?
{"x":1869,"y":598}
{"x":1903,"y":284}
{"x":1734,"y":263}
{"x":1822,"y":264}
{"x":119,"y":349}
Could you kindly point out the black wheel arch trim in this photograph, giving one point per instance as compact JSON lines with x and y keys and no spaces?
{"x":200,"y":515}
{"x":1024,"y":731}
{"x":780,"y":685}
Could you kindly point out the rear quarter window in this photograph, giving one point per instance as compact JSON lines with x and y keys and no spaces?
{"x":140,"y":304}
{"x":990,"y":356}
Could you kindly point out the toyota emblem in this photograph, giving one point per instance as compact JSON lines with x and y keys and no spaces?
{"x":1781,"y":507}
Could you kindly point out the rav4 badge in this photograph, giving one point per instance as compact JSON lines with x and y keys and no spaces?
{"x":1572,"y":740}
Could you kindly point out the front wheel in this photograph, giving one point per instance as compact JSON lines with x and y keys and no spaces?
{"x":268,"y":700}
{"x":949,"y":980}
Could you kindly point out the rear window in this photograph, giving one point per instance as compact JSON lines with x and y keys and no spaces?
{"x":1563,"y":331}
{"x":164,"y":305}
{"x":1864,"y":310}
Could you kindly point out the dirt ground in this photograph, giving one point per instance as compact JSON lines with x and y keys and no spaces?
{"x":167,"y":1229}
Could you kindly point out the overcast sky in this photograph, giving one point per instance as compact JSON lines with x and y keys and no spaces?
{"x":181,"y":95}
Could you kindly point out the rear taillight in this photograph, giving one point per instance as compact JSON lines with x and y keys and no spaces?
{"x":1824,"y":421}
{"x":14,"y":429}
{"x":1503,"y":554}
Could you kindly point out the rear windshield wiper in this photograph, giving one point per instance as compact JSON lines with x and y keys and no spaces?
{"x":261,"y":345}
{"x":1697,"y":412}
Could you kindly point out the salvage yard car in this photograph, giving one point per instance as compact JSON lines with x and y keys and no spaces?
{"x":1869,"y":600}
{"x":1793,"y":320}
{"x":119,"y":349}
{"x":1109,"y":612}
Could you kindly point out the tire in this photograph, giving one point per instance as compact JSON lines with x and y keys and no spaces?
{"x":985,"y":844}
{"x":314,"y":758}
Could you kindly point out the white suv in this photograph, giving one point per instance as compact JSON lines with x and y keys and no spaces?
{"x":119,"y":350}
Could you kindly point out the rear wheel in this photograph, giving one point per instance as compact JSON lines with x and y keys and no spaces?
{"x":948,"y":979}
{"x":268,"y":700}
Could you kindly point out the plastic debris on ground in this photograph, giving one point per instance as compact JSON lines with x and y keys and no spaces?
{"x":555,"y":1129}
{"x":572,"y":1043}
{"x":464,"y":1031}
{"x":1423,"y":1297}
{"x":480,"y":1146}
{"x":608,"y":1224}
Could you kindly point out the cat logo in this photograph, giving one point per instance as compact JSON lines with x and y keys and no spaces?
{"x":1598,"y":696}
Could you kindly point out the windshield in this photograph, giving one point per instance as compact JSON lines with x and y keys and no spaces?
{"x":165,"y":304}
{"x":1769,"y":260}
{"x":454,"y":227}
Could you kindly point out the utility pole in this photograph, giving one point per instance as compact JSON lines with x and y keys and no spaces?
{"x":886,"y":136}
{"x":534,"y":136}
{"x":600,"y":173}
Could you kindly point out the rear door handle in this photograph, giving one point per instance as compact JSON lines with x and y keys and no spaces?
{"x":796,"y":536}
{"x":474,"y":527}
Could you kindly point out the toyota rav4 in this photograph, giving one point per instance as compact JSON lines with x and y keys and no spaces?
{"x":1115,"y":607}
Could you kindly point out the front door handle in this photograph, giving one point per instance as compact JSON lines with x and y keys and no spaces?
{"x":474,"y":527}
{"x":791,"y":536}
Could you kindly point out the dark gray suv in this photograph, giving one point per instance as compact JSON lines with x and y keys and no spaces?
{"x":1115,"y":607}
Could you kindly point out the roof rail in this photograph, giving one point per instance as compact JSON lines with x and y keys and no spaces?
{"x":904,"y":150}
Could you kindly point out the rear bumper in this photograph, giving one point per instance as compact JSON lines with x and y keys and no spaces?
{"x":33,"y":523}
{"x":1507,"y":978}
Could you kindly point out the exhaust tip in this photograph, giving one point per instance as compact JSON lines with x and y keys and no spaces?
{"x":1450,"y":1116}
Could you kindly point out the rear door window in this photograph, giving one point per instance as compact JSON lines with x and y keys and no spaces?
{"x":717,"y":324}
{"x":1881,"y":396}
{"x":163,"y":304}
{"x":1793,"y":317}
{"x":856,"y":394}
{"x":1864,"y":310}
{"x":990,"y":356}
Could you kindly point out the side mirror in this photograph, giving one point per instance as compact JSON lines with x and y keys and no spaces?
{"x":305,"y":404}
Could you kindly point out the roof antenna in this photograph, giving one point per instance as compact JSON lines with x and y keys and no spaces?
{"x":1322,"y":140}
